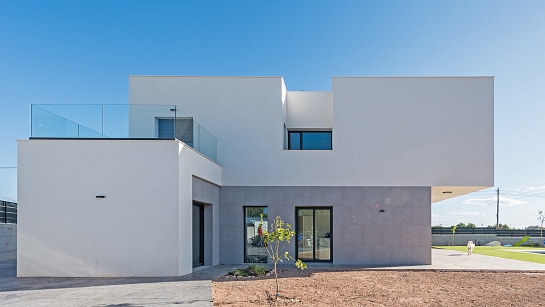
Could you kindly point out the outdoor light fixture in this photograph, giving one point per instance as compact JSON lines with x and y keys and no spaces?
{"x":447,"y":192}
{"x":382,"y":211}
{"x":173,"y":109}
{"x":100,"y":196}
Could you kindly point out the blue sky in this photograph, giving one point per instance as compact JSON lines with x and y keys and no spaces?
{"x":83,"y":52}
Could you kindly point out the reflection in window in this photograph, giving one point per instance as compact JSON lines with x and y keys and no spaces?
{"x":255,"y":251}
{"x":309,"y":140}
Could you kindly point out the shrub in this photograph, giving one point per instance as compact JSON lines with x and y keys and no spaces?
{"x":250,"y":270}
{"x":238,"y":272}
{"x":256,"y":270}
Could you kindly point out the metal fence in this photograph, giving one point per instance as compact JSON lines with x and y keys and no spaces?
{"x":8,"y":212}
{"x":486,"y":230}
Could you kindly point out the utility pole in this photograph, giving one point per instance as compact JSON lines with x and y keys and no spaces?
{"x":498,"y":209}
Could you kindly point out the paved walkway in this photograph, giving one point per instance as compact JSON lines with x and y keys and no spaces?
{"x":193,"y":289}
{"x":449,"y":260}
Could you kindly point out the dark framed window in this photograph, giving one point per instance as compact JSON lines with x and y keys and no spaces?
{"x":309,"y":140}
{"x":314,"y":227}
{"x":254,"y":247}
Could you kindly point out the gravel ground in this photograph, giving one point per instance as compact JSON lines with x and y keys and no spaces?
{"x":383,"y":288}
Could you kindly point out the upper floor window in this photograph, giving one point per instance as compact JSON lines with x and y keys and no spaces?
{"x":309,"y":140}
{"x":179,"y":128}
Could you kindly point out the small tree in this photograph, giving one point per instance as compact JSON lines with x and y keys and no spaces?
{"x":453,"y":230}
{"x":541,"y":219}
{"x":275,"y":239}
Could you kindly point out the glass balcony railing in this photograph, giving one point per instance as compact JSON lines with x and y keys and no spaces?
{"x":120,"y":121}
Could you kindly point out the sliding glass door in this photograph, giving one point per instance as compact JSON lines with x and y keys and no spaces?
{"x":314,"y":235}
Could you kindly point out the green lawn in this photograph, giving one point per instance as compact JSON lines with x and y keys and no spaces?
{"x":503,"y":252}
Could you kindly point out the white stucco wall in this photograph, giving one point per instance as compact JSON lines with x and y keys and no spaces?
{"x":309,"y":110}
{"x":192,"y":163}
{"x":433,"y":131}
{"x":141,"y":228}
{"x":386,"y":131}
{"x":64,"y":230}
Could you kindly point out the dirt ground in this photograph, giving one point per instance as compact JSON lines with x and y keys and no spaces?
{"x":383,"y":288}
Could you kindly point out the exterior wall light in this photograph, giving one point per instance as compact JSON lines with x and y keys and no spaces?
{"x":100,"y":196}
{"x":382,"y":210}
{"x":447,"y":192}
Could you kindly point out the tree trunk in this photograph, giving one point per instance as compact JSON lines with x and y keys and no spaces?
{"x":276,"y":277}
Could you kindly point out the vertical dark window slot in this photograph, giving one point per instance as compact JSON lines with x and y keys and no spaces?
{"x":254,"y":247}
{"x":294,"y":141}
{"x":198,"y":234}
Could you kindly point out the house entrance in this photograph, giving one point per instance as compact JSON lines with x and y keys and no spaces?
{"x":198,"y":234}
{"x":314,"y":235}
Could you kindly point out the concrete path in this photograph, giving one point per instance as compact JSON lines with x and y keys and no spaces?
{"x":443,"y":259}
{"x":449,"y":260}
{"x":193,"y":289}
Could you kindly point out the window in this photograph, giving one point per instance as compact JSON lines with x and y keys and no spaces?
{"x":254,"y":248}
{"x":181,"y":129}
{"x":309,"y":140}
{"x":314,"y":233}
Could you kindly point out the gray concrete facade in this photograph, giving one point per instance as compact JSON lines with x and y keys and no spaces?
{"x":361,"y":234}
{"x":208,"y":194}
{"x":8,"y":241}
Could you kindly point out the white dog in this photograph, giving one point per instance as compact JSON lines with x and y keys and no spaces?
{"x":470,"y":247}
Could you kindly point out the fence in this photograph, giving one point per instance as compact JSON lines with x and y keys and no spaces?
{"x":486,"y":230}
{"x":8,"y":212}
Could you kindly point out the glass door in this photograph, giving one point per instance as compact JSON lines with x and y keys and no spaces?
{"x":314,"y":234}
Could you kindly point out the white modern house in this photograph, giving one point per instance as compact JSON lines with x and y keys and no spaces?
{"x":179,"y":176}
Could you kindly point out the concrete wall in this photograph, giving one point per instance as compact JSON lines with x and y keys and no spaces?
{"x":8,"y":241}
{"x":478,"y":239}
{"x":361,"y":234}
{"x":386,"y":131}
